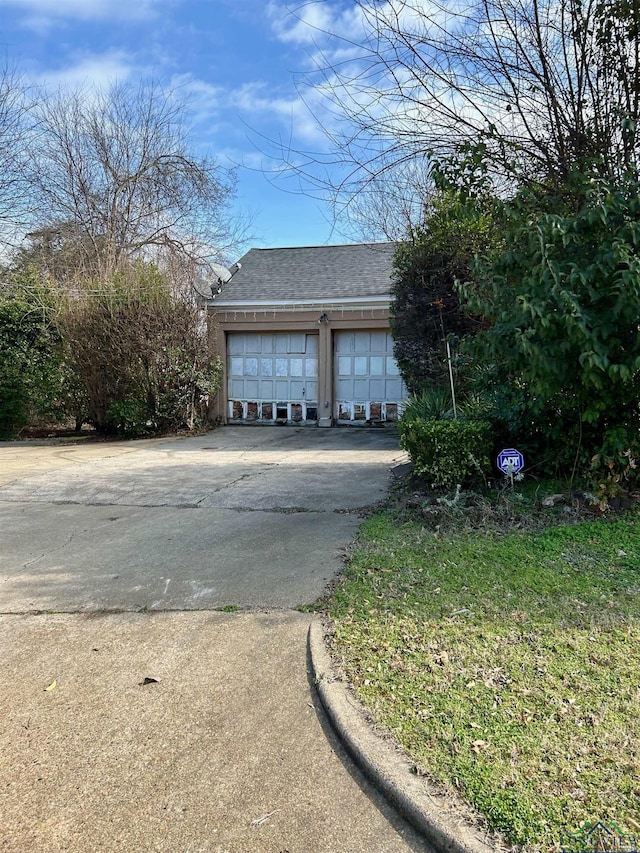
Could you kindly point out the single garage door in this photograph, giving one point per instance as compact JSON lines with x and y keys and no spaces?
{"x":367,"y":379}
{"x":272,"y":377}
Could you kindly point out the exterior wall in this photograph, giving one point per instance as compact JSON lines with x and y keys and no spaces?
{"x":321,"y":319}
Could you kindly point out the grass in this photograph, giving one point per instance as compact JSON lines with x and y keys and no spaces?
{"x":507,"y":664}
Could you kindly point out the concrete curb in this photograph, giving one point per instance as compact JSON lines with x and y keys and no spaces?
{"x":389,"y":770}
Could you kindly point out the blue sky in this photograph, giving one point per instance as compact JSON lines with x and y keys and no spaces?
{"x":236,"y":59}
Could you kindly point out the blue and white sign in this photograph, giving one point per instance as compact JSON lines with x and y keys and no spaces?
{"x":510,"y":461}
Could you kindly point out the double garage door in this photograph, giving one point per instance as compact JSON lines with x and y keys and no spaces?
{"x":274,"y":377}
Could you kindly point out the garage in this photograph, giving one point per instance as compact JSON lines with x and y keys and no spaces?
{"x":368,"y":385}
{"x":272,"y":376}
{"x":303,"y":335}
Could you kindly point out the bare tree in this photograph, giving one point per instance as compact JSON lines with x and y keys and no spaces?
{"x":13,"y":114}
{"x":112,"y":179}
{"x":538,"y":87}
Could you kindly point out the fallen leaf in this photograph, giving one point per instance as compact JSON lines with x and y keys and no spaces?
{"x":149,"y":681}
{"x":52,"y":686}
{"x":478,"y":745}
{"x":258,"y":821}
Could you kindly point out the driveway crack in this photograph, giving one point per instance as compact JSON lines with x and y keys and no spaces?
{"x":31,"y":562}
{"x":226,"y":486}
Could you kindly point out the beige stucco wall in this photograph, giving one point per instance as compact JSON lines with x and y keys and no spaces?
{"x":223,"y":321}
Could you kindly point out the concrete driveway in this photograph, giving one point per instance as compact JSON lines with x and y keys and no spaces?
{"x":169,"y":727}
{"x":254,"y":517}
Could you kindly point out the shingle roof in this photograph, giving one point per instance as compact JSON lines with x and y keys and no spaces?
{"x":312,"y":272}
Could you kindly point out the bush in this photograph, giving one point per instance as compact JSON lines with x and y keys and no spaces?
{"x":447,"y":452}
{"x":13,"y":404}
{"x":31,"y":355}
{"x":563,"y":349}
{"x":425,"y":310}
{"x":140,"y":354}
{"x":433,"y":403}
{"x":614,"y":468}
{"x":128,"y":418}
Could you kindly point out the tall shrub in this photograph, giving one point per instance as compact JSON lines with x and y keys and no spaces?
{"x":426,"y":309}
{"x":563,"y":300}
{"x":141,"y":353}
{"x":31,"y":355}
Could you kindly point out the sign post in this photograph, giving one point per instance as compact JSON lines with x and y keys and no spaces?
{"x":510,"y":461}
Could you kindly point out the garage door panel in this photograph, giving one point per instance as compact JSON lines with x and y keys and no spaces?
{"x":378,"y":389}
{"x":268,"y":344}
{"x":394,"y":389}
{"x":235,"y":344}
{"x":297,"y":343}
{"x":361,"y":365}
{"x":295,"y":367}
{"x":344,"y":390}
{"x":376,"y":365}
{"x":343,"y":342}
{"x":362,"y":342}
{"x":344,"y":365}
{"x":379,"y":341}
{"x":361,"y":389}
{"x":253,"y":343}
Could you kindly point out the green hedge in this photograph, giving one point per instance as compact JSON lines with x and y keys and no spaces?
{"x":447,"y":452}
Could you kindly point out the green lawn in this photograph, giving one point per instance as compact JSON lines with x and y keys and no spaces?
{"x":507,"y":665}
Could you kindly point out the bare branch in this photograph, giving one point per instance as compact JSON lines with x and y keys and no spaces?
{"x":113,"y":167}
{"x":544,"y":85}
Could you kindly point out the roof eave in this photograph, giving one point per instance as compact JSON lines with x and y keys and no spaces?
{"x":290,"y":304}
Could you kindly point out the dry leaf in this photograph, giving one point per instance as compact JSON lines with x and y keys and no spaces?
{"x":52,"y":686}
{"x":258,"y":821}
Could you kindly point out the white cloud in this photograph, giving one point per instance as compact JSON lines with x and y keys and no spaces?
{"x":253,"y":103}
{"x":312,"y":22}
{"x":205,"y":99}
{"x":256,"y":99}
{"x":317,"y":22}
{"x":91,"y":69}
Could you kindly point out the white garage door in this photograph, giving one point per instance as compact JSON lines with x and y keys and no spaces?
{"x":272,"y":376}
{"x":367,"y":379}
